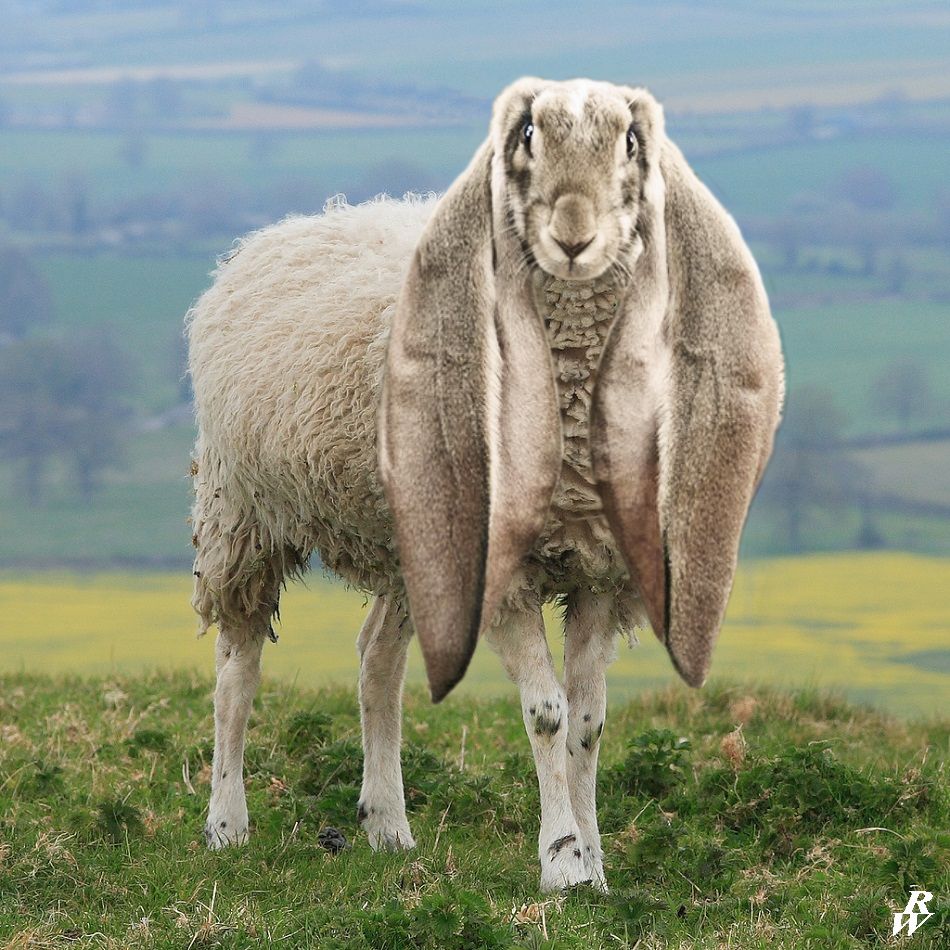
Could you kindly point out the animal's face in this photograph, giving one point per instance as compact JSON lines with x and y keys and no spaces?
{"x":576,"y":158}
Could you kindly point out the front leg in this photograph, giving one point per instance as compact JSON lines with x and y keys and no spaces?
{"x":590,"y":630}
{"x":518,"y":637}
{"x":382,"y":644}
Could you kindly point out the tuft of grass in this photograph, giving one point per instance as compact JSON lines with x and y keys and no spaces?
{"x":737,"y":816}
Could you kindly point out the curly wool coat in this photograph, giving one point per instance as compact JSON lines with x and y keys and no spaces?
{"x":286,"y":357}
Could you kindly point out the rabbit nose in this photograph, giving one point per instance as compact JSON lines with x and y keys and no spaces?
{"x":573,"y":250}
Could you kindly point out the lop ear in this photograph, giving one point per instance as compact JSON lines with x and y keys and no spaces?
{"x":684,"y":420}
{"x":469,"y":436}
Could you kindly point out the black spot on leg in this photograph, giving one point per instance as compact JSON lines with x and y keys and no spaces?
{"x":592,"y":738}
{"x":570,"y":751}
{"x":545,"y":726}
{"x":362,"y":813}
{"x":547,"y":719}
{"x":224,"y":824}
{"x":577,"y":852}
{"x":586,"y":717}
{"x":556,"y":846}
{"x":224,"y":775}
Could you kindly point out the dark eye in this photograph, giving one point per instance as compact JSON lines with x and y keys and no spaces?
{"x":632,"y":142}
{"x":527,"y":133}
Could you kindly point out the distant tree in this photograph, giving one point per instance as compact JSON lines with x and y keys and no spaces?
{"x":98,"y":390}
{"x":25,"y":299}
{"x":866,"y":232}
{"x":32,"y":427}
{"x":903,"y":390}
{"x":64,"y":400}
{"x":809,"y":471}
{"x":867,"y":188}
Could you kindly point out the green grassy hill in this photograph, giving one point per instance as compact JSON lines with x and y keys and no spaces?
{"x":747,"y":818}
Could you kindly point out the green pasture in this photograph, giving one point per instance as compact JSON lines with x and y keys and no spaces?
{"x":742,"y":817}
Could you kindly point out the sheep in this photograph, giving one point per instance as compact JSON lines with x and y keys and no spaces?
{"x":561,"y":381}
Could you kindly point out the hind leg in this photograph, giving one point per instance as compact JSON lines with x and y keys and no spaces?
{"x":238,"y":662}
{"x":382,"y":646}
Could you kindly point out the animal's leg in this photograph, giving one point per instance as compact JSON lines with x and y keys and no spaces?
{"x":238,"y":661}
{"x":382,"y":646}
{"x":518,"y":637}
{"x":590,"y":629}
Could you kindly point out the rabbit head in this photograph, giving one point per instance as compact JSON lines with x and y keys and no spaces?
{"x":575,"y":159}
{"x":577,"y":180}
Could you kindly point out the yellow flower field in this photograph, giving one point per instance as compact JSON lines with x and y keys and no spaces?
{"x":873,"y":625}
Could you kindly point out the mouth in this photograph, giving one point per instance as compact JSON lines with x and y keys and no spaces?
{"x":579,"y":260}
{"x":565,"y":268}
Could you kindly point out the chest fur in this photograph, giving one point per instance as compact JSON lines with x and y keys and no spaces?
{"x":578,"y":316}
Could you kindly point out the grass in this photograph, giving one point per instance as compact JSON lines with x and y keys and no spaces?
{"x":873,"y":626}
{"x":747,"y":818}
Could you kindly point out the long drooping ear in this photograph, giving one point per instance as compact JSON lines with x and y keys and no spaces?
{"x":685,"y":417}
{"x":468,"y":453}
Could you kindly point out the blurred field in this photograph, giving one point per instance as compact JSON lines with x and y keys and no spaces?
{"x":873,"y":625}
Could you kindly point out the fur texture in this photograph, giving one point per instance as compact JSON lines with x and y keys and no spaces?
{"x":286,"y":356}
{"x":559,"y":380}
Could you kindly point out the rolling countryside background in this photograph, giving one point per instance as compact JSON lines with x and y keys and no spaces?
{"x":791,"y":803}
{"x":139,"y":139}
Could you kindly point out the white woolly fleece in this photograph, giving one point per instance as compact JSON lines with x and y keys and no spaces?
{"x":286,"y":352}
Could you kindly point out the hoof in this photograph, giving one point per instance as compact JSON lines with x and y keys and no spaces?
{"x":387,"y":829}
{"x":218,"y":836}
{"x":227,"y":824}
{"x":563,"y":864}
{"x":391,"y":839}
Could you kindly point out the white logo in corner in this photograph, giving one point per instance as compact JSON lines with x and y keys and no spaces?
{"x":914,"y":914}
